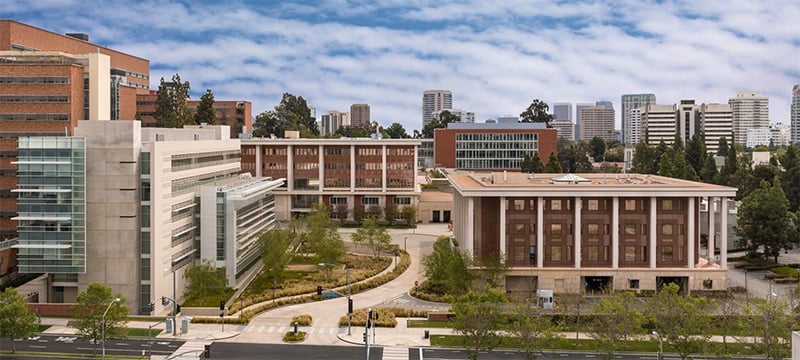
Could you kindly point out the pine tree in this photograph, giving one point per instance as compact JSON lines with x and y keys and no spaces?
{"x":552,"y":166}
{"x":536,"y":164}
{"x":205,"y":110}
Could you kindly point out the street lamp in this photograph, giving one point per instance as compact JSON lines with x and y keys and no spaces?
{"x":660,"y":345}
{"x":405,"y":239}
{"x":103,"y":329}
{"x":174,"y":304}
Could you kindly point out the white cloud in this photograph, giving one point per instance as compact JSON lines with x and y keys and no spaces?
{"x":495,"y":56}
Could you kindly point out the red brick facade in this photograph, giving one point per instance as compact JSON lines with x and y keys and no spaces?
{"x":445,"y":143}
{"x":236,"y":114}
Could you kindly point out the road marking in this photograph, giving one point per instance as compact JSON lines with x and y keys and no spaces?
{"x":270,"y":329}
{"x":332,"y":331}
{"x":38,"y":346}
{"x":280,"y":329}
{"x":261,"y":328}
{"x":122,"y":344}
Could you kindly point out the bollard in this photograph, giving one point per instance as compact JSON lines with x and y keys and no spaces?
{"x":295,"y":327}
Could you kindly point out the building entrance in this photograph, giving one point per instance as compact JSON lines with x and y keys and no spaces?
{"x":595,"y":285}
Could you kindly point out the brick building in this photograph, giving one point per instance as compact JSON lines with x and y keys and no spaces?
{"x":343,"y":172}
{"x":236,"y":114}
{"x":488,"y":146}
{"x":48,"y":82}
{"x":591,"y":232}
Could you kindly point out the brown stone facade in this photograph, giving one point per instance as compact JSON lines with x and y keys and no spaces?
{"x":236,"y":114}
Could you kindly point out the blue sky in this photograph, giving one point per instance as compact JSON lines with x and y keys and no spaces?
{"x":495,"y":56}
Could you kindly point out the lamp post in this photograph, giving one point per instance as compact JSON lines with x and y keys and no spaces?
{"x":660,"y":345}
{"x":103,"y":328}
{"x":746,"y":291}
{"x":349,"y":314}
{"x":174,"y":303}
{"x":405,"y":239}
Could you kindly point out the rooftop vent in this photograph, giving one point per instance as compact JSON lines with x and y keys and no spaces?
{"x":79,"y":36}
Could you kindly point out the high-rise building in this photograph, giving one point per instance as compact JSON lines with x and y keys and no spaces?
{"x":659,"y":122}
{"x":578,"y":108}
{"x":48,"y":82}
{"x":332,"y":121}
{"x":795,"y":114}
{"x":716,"y":120}
{"x":565,"y":128}
{"x":562,"y":111}
{"x":780,"y":134}
{"x":604,"y":103}
{"x":596,"y":121}
{"x":749,"y":110}
{"x":434,"y":101}
{"x":687,"y":125}
{"x":463,"y":115}
{"x":631,"y":132}
{"x":359,"y":115}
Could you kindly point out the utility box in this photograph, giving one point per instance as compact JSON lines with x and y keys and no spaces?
{"x":169,"y":324}
{"x":185,"y":324}
{"x":545,"y":299}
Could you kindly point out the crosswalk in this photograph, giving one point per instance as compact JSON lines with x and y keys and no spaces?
{"x":282,"y":329}
{"x":190,"y":350}
{"x":395,"y":353}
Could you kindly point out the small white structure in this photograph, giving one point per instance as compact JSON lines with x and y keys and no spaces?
{"x":545,"y":298}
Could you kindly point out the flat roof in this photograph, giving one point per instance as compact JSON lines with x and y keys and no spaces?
{"x":499,"y":183}
{"x":329,"y":141}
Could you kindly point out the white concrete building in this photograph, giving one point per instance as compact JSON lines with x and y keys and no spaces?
{"x":566,"y":129}
{"x":717,"y":122}
{"x":631,"y":124}
{"x":758,"y":136}
{"x":795,"y":114}
{"x":659,"y":122}
{"x":749,"y":110}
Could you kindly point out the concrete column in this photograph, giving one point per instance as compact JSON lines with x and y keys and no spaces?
{"x":470,"y":240}
{"x":652,"y":247}
{"x":615,"y":233}
{"x":712,"y":231}
{"x":352,"y":168}
{"x":258,"y":161}
{"x":503,"y":237}
{"x":540,"y":232}
{"x":723,"y":233}
{"x":691,"y":234}
{"x":290,"y":169}
{"x":321,"y":162}
{"x":577,"y":231}
{"x":383,"y":167}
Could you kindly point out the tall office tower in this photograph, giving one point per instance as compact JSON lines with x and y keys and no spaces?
{"x":659,"y":122}
{"x":630,"y":102}
{"x":688,"y":125}
{"x":596,"y":121}
{"x":49,"y":82}
{"x":750,"y":110}
{"x":566,"y":129}
{"x":562,"y":111}
{"x":434,"y":101}
{"x":578,"y":108}
{"x":717,"y":122}
{"x":795,"y":115}
{"x":604,"y":103}
{"x":359,"y":115}
{"x":332,"y":121}
{"x":635,"y":128}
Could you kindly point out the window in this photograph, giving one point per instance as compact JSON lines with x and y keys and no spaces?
{"x":555,"y":205}
{"x":708,"y":284}
{"x":592,"y":205}
{"x":519,"y":229}
{"x":666,"y":205}
{"x":633,"y":283}
{"x":593,"y":229}
{"x":336,"y":200}
{"x":555,"y":253}
{"x":666,"y":229}
{"x":402,"y":201}
{"x":592,"y":253}
{"x":519,"y":204}
{"x":555,"y":229}
{"x":630,"y":253}
{"x":630,"y":205}
{"x":630,"y":229}
{"x":666,"y":253}
{"x":369,"y":201}
{"x":681,"y":229}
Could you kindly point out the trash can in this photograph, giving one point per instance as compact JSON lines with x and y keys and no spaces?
{"x":169,"y":325}
{"x":427,"y":334}
{"x":185,"y":324}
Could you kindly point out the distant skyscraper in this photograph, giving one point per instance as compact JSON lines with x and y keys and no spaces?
{"x":597,"y":121}
{"x":750,"y":110}
{"x":630,"y":102}
{"x":434,"y":101}
{"x":578,"y":108}
{"x":463,"y":115}
{"x":716,"y":120}
{"x":795,"y":117}
{"x":562,"y":111}
{"x":606,"y":103}
{"x":508,"y":119}
{"x":359,"y":115}
{"x":566,"y":129}
{"x":659,"y":122}
{"x":688,"y":125}
{"x":332,"y":121}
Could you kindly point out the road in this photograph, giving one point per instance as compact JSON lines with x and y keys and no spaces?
{"x":236,"y":351}
{"x":70,"y":344}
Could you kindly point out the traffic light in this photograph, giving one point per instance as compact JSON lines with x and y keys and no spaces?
{"x":164,"y":301}
{"x":152,"y":306}
{"x":319,"y":290}
{"x":365,"y":337}
{"x":206,"y":351}
{"x":178,"y":309}
{"x":222,"y":304}
{"x":349,"y":306}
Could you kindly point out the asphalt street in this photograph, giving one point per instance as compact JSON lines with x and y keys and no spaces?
{"x":71,"y":344}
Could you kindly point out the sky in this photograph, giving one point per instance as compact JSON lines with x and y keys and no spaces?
{"x":495,"y":56}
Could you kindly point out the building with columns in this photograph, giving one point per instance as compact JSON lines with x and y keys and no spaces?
{"x":589,"y":232}
{"x":345,"y":173}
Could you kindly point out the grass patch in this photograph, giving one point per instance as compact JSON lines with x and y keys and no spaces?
{"x":436,"y":324}
{"x":209,"y":301}
{"x":785,"y":271}
{"x":292,"y":337}
{"x":137,"y":332}
{"x":302,"y":320}
{"x":42,"y":328}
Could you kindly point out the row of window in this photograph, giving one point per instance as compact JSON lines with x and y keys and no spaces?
{"x":369,"y":200}
{"x":498,"y":137}
{"x":34,"y":117}
{"x":591,"y":204}
{"x":34,"y":79}
{"x":34,"y":98}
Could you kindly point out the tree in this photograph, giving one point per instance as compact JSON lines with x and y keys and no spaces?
{"x":292,"y":113}
{"x":525,"y":166}
{"x":205,"y":280}
{"x":643,"y":159}
{"x":682,"y":321}
{"x":573,"y":157}
{"x":438,"y":122}
{"x":765,"y":220}
{"x":89,"y":308}
{"x":665,"y":166}
{"x":16,"y":322}
{"x":573,"y":304}
{"x":722,"y":147}
{"x":477,"y":317}
{"x":532,"y":329}
{"x":373,"y":236}
{"x":790,"y":177}
{"x":409,"y":214}
{"x":615,"y":319}
{"x":355,"y":131}
{"x":396,"y":131}
{"x":446,"y":268}
{"x":536,"y":164}
{"x":205,"y":110}
{"x":696,"y":152}
{"x":390,"y":212}
{"x":493,"y":270}
{"x":709,"y":171}
{"x":770,"y":320}
{"x":537,"y":112}
{"x":171,"y":103}
{"x":552,"y":167}
{"x":276,"y":253}
{"x":598,"y":148}
{"x":729,"y":168}
{"x":660,"y":151}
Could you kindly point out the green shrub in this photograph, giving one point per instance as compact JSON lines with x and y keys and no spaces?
{"x":359,"y":318}
{"x":785,"y":271}
{"x":292,"y":337}
{"x":302,"y":320}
